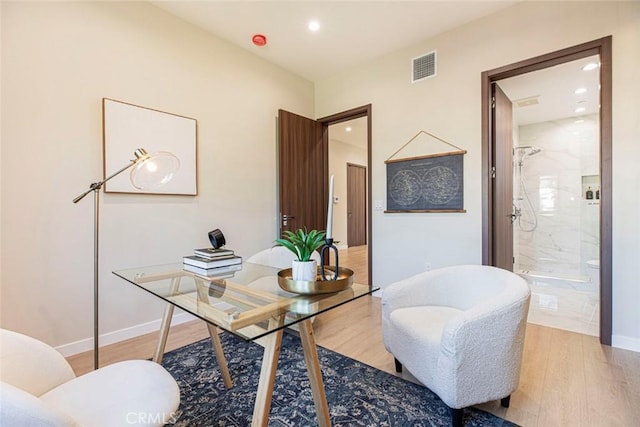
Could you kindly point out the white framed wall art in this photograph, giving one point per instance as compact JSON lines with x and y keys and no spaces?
{"x":127,"y":127}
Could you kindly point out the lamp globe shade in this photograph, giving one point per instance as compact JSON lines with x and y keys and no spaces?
{"x":154,"y":170}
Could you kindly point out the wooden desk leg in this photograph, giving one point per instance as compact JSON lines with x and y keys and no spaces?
{"x":217,"y":348}
{"x":164,"y":333}
{"x":315,"y":374}
{"x":272,"y":343}
{"x":203,"y":296}
{"x":166,"y":324}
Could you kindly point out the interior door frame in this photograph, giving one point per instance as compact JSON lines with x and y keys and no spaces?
{"x":601,"y":47}
{"x":355,"y":113}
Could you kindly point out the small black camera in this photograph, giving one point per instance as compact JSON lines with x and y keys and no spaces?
{"x":216,"y":238}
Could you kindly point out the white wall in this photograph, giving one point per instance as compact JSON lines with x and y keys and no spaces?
{"x":449,"y":106}
{"x":1,"y":32}
{"x":58,"y":61}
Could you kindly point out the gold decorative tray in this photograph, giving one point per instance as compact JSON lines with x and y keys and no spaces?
{"x":319,"y":286}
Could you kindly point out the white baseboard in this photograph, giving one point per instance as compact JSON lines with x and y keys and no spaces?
{"x":121,"y":335}
{"x":625,"y":343}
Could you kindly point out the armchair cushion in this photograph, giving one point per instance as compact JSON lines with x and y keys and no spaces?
{"x":120,"y":394}
{"x":411,"y":335}
{"x":23,"y":409}
{"x":39,"y":388}
{"x":30,"y":364}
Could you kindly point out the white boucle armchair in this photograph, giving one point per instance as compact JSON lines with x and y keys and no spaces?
{"x":38,"y":388}
{"x":460,"y":331}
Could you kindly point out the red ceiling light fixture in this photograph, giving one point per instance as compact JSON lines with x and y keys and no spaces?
{"x":259,"y":40}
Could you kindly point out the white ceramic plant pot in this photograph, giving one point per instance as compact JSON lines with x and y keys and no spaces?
{"x":304,"y":270}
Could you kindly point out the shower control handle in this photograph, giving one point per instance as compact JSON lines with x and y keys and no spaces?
{"x":517,"y":212}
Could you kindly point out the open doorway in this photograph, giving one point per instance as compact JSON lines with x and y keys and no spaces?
{"x":348,"y":159}
{"x":358,"y":257}
{"x":500,"y":157}
{"x":556,"y":191}
{"x":305,"y":141}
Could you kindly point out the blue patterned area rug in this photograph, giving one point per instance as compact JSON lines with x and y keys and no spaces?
{"x":357,"y":394}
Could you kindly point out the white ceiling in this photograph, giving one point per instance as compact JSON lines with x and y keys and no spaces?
{"x":356,"y":31}
{"x":554,"y":89}
{"x":356,"y":136}
{"x":351,"y":32}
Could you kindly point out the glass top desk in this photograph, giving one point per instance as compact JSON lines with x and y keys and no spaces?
{"x":248,"y":303}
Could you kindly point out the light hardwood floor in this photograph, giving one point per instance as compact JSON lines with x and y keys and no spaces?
{"x":567,"y":379}
{"x":355,"y":258}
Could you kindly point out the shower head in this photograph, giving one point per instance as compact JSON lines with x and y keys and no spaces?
{"x":526,"y":151}
{"x":533,"y":151}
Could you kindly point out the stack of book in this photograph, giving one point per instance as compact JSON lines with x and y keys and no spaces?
{"x":212,"y":262}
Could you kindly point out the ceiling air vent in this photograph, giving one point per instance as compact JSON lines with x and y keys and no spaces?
{"x":526,"y":102}
{"x":423,"y":66}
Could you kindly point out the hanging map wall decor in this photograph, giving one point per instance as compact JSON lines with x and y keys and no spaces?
{"x":428,"y":183}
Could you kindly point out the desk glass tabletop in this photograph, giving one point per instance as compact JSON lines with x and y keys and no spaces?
{"x":242,"y":301}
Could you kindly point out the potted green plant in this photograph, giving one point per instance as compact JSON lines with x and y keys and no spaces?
{"x":303,"y":244}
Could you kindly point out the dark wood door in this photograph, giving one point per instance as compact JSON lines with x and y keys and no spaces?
{"x":502,"y":130}
{"x":356,"y":205}
{"x":303,"y":185}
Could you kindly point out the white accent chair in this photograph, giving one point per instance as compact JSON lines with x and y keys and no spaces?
{"x":38,"y":388}
{"x":460,"y":331}
{"x":278,"y":257}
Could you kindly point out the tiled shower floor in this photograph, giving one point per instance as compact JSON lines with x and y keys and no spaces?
{"x":564,"y":304}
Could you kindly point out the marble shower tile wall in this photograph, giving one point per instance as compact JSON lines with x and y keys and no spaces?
{"x":567,"y":231}
{"x":590,"y":214}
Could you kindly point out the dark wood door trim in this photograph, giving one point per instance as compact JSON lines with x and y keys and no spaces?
{"x":601,"y":47}
{"x":356,"y":113}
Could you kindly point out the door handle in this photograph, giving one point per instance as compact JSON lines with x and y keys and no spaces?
{"x":285,"y":219}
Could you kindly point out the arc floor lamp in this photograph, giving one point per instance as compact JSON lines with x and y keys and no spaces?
{"x":148,"y":171}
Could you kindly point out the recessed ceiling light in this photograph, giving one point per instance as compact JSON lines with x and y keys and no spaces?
{"x":314,"y":26}
{"x":580,"y":109}
{"x":348,"y":129}
{"x":590,"y":66}
{"x":580,"y":90}
{"x":579,"y":121}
